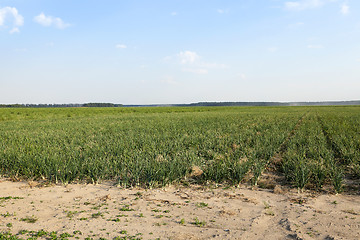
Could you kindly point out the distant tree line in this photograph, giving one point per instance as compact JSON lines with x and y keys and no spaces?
{"x":74,"y":105}
{"x":199,"y":104}
{"x":229,"y":104}
{"x":249,"y":104}
{"x":101,"y":105}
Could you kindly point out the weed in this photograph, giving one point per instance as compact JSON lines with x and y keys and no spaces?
{"x":7,"y":214}
{"x":126,"y":208}
{"x":350,"y":211}
{"x":97,"y":215}
{"x":270,"y":212}
{"x":201,"y":205}
{"x":10,"y":197}
{"x":70,"y":214}
{"x":198,"y":223}
{"x":267,"y":205}
{"x":115,"y":220}
{"x":28,"y":219}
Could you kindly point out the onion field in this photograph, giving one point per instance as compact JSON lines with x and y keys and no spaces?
{"x":309,"y":147}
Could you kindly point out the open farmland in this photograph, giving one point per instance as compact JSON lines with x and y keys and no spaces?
{"x":180,"y":173}
{"x":307,"y":147}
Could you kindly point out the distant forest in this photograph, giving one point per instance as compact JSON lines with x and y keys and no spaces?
{"x":59,"y":105}
{"x":199,"y":104}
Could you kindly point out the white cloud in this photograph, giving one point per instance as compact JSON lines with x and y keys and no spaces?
{"x":292,"y":5}
{"x":188,"y":57}
{"x":174,"y":13}
{"x":8,"y":13}
{"x":223,"y":11}
{"x":315,"y":46}
{"x":121,"y":46}
{"x":14,"y":30}
{"x":345,"y":9}
{"x":193,"y":63}
{"x":305,"y":4}
{"x":48,"y":21}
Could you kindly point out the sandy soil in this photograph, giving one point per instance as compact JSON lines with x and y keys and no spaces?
{"x":106,"y":211}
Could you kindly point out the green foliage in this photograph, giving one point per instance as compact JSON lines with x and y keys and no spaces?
{"x":198,"y":223}
{"x":201,"y":204}
{"x":152,"y":147}
{"x":29,"y":219}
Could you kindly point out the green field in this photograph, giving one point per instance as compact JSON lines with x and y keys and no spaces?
{"x":310,"y":147}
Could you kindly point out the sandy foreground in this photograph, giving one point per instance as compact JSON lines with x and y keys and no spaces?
{"x":104,"y":211}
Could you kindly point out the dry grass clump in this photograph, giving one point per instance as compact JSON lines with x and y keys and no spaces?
{"x":243,"y":160}
{"x":160,"y":158}
{"x":196,"y":171}
{"x":235,"y":146}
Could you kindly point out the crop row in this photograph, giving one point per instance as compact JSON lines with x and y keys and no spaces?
{"x":308,"y":160}
{"x":342,"y":129}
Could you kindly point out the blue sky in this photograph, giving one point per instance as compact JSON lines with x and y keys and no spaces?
{"x":178,"y":51}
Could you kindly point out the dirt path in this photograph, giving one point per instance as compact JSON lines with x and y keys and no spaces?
{"x":104,"y":211}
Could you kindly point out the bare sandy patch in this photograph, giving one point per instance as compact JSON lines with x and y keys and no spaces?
{"x":80,"y":211}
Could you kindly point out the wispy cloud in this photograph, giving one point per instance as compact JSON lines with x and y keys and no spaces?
{"x":222,"y":11}
{"x":345,"y":8}
{"x":121,"y":46}
{"x":193,"y":63}
{"x":304,"y":4}
{"x":48,"y":21}
{"x":11,"y":14}
{"x":188,"y":57}
{"x":174,"y":13}
{"x":14,"y":30}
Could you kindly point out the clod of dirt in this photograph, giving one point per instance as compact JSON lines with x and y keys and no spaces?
{"x":105,"y":198}
{"x":278,"y":190}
